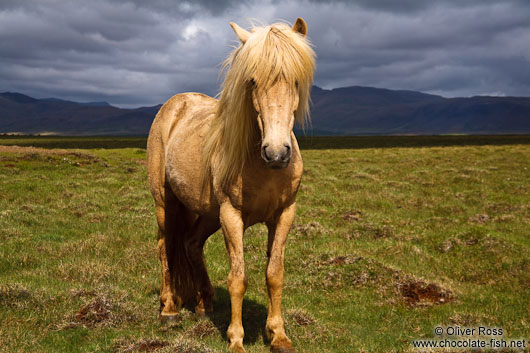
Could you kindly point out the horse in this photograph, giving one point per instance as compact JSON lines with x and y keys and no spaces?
{"x":230,"y":163}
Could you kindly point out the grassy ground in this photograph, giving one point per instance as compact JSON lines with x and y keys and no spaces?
{"x":388,"y":243}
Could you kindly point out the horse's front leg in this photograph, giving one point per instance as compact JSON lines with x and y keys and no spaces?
{"x":278,"y":230}
{"x":232,"y":224}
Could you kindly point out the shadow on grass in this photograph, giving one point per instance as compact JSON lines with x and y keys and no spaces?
{"x":254,"y":316}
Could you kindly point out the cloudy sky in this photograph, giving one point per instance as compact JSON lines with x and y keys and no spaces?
{"x":135,"y":52}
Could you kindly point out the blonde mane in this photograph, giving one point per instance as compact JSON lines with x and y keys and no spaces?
{"x":272,"y":53}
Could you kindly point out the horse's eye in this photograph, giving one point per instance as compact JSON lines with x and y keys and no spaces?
{"x":296,"y":84}
{"x":252,"y":82}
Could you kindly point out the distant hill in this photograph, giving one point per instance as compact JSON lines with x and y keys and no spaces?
{"x":366,"y":111}
{"x":24,"y":114}
{"x":94,"y":104}
{"x":342,"y":111}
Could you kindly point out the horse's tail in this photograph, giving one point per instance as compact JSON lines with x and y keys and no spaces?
{"x":184,"y":282}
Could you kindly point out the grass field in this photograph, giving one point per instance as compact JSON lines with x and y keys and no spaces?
{"x":393,"y":237}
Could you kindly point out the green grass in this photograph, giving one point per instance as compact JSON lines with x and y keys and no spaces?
{"x":379,"y":219}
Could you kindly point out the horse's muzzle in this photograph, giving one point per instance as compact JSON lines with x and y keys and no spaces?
{"x":277,"y":165}
{"x":276,"y":158}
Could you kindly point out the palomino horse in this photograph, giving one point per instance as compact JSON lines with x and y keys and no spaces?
{"x":232,"y":163}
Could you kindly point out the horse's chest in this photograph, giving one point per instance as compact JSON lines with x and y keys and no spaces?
{"x":261,"y":199}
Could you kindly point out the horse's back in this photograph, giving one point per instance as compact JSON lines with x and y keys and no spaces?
{"x":174,"y":145}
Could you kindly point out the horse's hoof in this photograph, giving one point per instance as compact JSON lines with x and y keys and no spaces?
{"x":200,"y":314}
{"x":237,"y":348}
{"x":203,"y":308}
{"x":168,"y":318}
{"x":282,"y":349}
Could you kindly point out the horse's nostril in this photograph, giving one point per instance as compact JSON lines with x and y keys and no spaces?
{"x":286,"y":155}
{"x":264,"y":152}
{"x":276,"y":155}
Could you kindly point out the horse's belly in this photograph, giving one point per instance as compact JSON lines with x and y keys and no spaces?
{"x":183,"y":163}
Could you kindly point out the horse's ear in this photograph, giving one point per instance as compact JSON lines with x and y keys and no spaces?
{"x":300,"y":26}
{"x":241,"y":33}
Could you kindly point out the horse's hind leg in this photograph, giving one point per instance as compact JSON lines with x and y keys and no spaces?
{"x":200,"y":232}
{"x":169,"y":222}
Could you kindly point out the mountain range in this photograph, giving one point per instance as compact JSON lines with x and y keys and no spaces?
{"x":341,"y":111}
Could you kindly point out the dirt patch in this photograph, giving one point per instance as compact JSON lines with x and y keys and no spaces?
{"x":340,"y":271}
{"x":471,"y":241}
{"x":34,"y":153}
{"x":316,"y":212}
{"x":463,"y":319}
{"x":374,"y":231}
{"x":184,"y":346}
{"x":341,"y":260}
{"x":479,"y":218}
{"x":446,"y":246}
{"x":459,"y":240}
{"x":79,"y":293}
{"x":505,"y":218}
{"x":420,"y":293}
{"x":180,"y":345}
{"x":384,"y":232}
{"x":362,"y":175}
{"x":352,"y":216}
{"x":300,"y":317}
{"x":202,"y":329}
{"x":95,"y":313}
{"x":311,"y":228}
{"x":148,"y":345}
{"x":14,"y":295}
{"x":99,"y":312}
{"x":501,"y":207}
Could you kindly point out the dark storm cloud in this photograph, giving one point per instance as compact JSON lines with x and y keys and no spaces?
{"x":139,"y":52}
{"x":479,"y":48}
{"x":213,"y":7}
{"x":115,"y":50}
{"x":409,"y":6}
